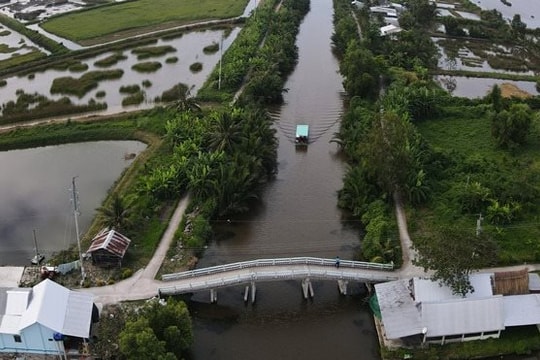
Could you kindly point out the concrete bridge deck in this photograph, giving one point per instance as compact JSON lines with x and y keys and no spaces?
{"x":250,"y":272}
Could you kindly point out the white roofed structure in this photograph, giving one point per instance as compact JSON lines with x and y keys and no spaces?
{"x":30,"y":318}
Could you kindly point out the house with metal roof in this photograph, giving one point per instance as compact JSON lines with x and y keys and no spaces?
{"x":44,"y":318}
{"x":418,"y":310}
{"x":108,"y":248}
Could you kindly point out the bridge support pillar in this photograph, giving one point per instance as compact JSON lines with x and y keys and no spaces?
{"x":307,"y":288}
{"x":342,"y":286}
{"x":213,"y":296}
{"x":253,"y":292}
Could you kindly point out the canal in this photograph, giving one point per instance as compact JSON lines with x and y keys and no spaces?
{"x":298,"y":217}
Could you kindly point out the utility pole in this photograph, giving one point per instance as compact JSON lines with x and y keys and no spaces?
{"x":220,"y":60}
{"x":76,"y":214}
{"x":479,"y":224}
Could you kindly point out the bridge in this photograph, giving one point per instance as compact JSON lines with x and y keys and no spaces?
{"x":248,"y":273}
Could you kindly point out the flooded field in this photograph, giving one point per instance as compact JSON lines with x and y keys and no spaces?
{"x":174,"y":68}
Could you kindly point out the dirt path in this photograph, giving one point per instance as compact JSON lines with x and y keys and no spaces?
{"x":142,"y":285}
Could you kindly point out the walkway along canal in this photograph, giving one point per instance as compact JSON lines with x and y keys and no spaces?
{"x":299,"y":217}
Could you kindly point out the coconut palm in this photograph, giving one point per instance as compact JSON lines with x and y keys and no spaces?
{"x":225,"y":130}
{"x":116,"y":213}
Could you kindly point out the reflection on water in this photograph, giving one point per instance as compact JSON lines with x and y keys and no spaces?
{"x":528,"y":10}
{"x":35,"y":193}
{"x":479,"y":87}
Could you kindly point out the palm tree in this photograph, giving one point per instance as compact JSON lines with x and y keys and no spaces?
{"x":225,"y":130}
{"x":115,"y":215}
{"x":185,"y":101}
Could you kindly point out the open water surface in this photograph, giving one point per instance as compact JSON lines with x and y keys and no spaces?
{"x":35,"y":193}
{"x":298,"y":217}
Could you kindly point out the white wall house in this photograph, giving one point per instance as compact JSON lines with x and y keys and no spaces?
{"x":421,"y":310}
{"x":38,"y":320}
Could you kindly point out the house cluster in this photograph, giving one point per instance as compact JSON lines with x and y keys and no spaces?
{"x":417,"y":311}
{"x":389,"y":12}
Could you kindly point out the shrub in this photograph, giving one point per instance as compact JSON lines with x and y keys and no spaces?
{"x":78,"y":67}
{"x":126,"y":273}
{"x":133,"y":99}
{"x":152,"y":51}
{"x":146,"y":83}
{"x":110,"y":60}
{"x":195,"y":67}
{"x":149,"y":66}
{"x":80,"y":87}
{"x":130,"y":89}
{"x":211,"y":49}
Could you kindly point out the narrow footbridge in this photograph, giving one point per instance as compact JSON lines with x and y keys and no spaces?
{"x":248,"y":273}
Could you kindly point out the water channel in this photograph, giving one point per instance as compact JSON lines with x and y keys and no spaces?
{"x":298,"y":217}
{"x":35,"y":193}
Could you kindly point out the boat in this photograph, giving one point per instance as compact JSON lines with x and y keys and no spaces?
{"x":302,"y":135}
{"x":38,"y":258}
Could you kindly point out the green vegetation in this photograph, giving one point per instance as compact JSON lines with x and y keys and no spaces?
{"x":81,"y":86}
{"x":131,"y":16}
{"x":18,"y":60}
{"x":147,"y":66}
{"x":129,"y":89}
{"x":110,"y":60}
{"x":172,"y":94}
{"x":171,"y":60}
{"x":152,"y":51}
{"x":211,"y":49}
{"x":79,"y":67}
{"x":5,"y":32}
{"x":34,"y":36}
{"x":146,"y":83}
{"x":195,"y":67}
{"x":235,"y":59}
{"x":278,"y":51}
{"x":5,"y":49}
{"x":100,"y":94}
{"x":133,"y":99}
{"x":3,"y":83}
{"x":157,"y":332}
{"x":35,"y":106}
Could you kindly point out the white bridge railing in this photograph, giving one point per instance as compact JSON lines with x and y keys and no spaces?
{"x":346,"y":264}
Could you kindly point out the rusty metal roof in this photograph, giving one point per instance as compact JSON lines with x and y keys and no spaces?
{"x":111,"y":241}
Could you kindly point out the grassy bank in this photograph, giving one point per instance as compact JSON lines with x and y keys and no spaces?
{"x":141,"y":14}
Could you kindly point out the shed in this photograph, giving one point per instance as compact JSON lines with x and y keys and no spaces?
{"x":108,"y":248}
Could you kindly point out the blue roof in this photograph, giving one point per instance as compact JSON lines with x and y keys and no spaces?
{"x":302,"y":130}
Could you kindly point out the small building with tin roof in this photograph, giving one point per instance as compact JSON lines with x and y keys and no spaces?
{"x":108,"y":248}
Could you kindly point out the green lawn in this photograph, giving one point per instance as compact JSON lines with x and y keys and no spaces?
{"x":138,"y":14}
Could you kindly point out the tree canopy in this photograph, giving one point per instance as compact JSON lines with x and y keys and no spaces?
{"x":453,"y":253}
{"x":157,"y":331}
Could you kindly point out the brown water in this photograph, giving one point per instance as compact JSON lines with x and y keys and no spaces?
{"x":298,"y":217}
